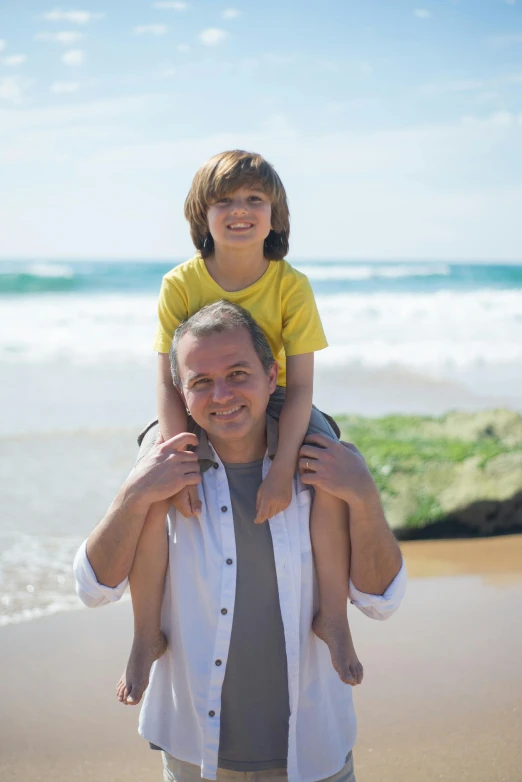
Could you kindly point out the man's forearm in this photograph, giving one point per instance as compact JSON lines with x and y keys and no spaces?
{"x":340,"y":469}
{"x":112,"y":544}
{"x":158,"y":475}
{"x":376,"y":557}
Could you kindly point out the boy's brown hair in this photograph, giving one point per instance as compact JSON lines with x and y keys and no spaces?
{"x":223,"y":174}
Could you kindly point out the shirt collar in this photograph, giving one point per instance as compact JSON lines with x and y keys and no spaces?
{"x":205,"y":452}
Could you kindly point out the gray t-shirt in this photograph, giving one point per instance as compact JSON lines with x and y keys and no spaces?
{"x":255,"y":706}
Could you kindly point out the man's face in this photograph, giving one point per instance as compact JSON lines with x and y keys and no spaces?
{"x":224,"y":384}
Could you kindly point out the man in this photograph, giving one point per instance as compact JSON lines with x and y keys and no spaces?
{"x":245,"y":686}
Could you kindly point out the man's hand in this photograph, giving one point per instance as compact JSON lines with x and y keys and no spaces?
{"x":274,"y":494}
{"x":337,"y":468}
{"x":167,"y":469}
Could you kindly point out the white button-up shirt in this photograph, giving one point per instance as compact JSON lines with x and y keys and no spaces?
{"x":181,"y":708}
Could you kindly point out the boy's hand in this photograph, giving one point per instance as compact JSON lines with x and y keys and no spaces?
{"x":187,"y":501}
{"x":274,"y":495}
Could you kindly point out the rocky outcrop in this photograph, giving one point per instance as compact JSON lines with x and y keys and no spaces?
{"x":457,"y":475}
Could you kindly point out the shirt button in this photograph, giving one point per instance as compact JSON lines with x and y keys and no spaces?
{"x":212,"y":714}
{"x":224,"y":508}
{"x":218,"y":663}
{"x":215,"y":465}
{"x":229,"y":561}
{"x":224,"y":611}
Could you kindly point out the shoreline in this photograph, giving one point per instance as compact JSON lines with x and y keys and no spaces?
{"x":496,"y":559}
{"x":57,"y":398}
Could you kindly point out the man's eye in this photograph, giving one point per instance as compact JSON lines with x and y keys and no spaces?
{"x":201,"y":382}
{"x":238,"y":373}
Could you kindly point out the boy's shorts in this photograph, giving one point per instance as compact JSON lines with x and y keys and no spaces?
{"x":320,"y":423}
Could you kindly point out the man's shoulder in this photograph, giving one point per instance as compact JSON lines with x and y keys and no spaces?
{"x":147,"y":439}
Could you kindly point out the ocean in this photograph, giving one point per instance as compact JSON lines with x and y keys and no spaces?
{"x":78,"y":372}
{"x":434,"y":317}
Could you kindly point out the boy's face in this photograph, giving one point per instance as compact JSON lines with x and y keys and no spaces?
{"x":240,"y":219}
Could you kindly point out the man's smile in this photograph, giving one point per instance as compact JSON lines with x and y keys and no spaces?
{"x":230,"y":412}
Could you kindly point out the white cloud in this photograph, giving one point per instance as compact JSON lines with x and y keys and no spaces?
{"x":61,"y":87}
{"x":231,"y":13}
{"x":150,"y":29}
{"x":471,"y":85}
{"x":2,"y":44}
{"x":278,"y":59}
{"x":328,"y":65}
{"x":502,"y":41}
{"x":14,"y":59}
{"x":183,"y":48}
{"x":167,"y":70}
{"x":462,"y":85}
{"x":422,"y":13}
{"x":11,"y":89}
{"x":212,"y":36}
{"x":75,"y":17}
{"x":250,"y":62}
{"x":67,"y":37}
{"x":364,"y":67}
{"x":74,"y":57}
{"x":171,"y":6}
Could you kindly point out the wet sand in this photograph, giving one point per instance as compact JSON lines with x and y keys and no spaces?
{"x":442,"y":696}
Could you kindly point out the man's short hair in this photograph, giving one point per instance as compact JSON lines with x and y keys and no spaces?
{"x":215,"y":318}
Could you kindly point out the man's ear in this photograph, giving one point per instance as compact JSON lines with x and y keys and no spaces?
{"x":182,"y":395}
{"x":272,"y":377}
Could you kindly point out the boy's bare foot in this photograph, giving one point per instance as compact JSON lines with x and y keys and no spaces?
{"x":334,"y":630}
{"x":134,"y":682}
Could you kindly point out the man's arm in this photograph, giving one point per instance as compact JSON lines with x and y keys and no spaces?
{"x":164,"y":471}
{"x":340,"y":469}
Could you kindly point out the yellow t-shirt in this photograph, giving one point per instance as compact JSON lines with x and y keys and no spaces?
{"x":281,"y":301}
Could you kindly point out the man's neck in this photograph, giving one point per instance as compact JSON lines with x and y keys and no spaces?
{"x":242,"y":451}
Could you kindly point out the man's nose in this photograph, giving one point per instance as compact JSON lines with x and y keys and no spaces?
{"x":221,"y":391}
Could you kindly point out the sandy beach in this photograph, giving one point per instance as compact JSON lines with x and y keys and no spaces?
{"x":441,"y":697}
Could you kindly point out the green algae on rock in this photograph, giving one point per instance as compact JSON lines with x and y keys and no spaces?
{"x":463,"y":469}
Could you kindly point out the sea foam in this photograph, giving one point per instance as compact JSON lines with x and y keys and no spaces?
{"x":426,"y":331}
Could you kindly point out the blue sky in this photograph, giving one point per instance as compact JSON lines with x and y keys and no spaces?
{"x":395,"y":126}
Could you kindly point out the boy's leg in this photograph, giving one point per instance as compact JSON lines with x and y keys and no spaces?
{"x":330,"y":534}
{"x":147,"y":582}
